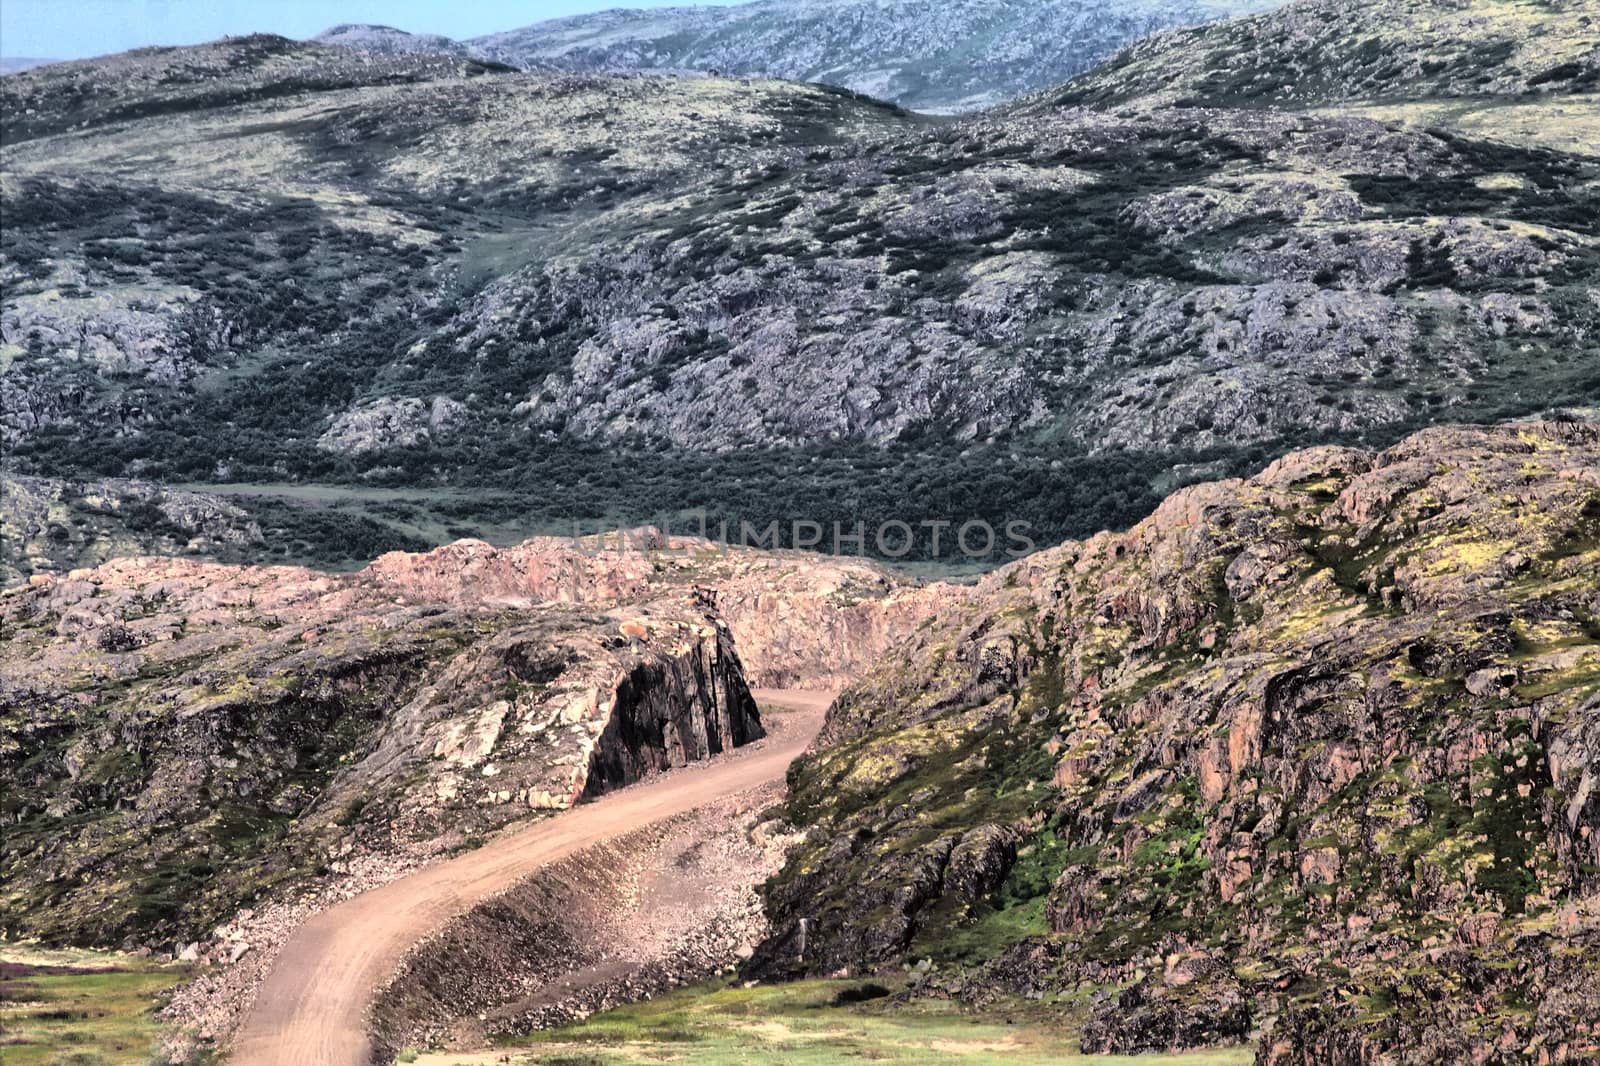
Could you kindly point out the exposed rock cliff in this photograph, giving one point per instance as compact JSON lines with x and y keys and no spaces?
{"x":812,"y":621}
{"x":1312,"y":754}
{"x":671,"y":712}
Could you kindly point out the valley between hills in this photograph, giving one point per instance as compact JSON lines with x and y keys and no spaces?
{"x":324,"y":739}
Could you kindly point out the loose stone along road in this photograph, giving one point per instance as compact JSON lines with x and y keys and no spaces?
{"x":312,"y":1009}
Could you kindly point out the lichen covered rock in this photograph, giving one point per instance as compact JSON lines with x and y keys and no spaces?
{"x":1312,"y":753}
{"x":180,"y":738}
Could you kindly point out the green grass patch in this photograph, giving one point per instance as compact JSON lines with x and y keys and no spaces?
{"x":80,"y":1008}
{"x":991,"y":934}
{"x":801,"y":1025}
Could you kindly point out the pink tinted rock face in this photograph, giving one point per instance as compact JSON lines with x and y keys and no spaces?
{"x":1334,"y":726}
{"x":169,"y":705}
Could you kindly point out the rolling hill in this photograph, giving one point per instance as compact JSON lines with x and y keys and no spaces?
{"x":482,"y":301}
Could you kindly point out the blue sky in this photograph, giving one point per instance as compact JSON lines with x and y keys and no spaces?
{"x":64,"y":29}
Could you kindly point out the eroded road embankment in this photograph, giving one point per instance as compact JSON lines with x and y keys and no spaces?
{"x":312,"y":1009}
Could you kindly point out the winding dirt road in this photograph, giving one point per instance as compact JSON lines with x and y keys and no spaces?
{"x":312,"y":1009}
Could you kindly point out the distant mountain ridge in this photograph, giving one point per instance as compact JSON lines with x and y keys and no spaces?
{"x":923,"y":54}
{"x":524,"y":299}
{"x":387,"y":40}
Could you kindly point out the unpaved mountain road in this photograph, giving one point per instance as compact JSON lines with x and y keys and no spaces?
{"x":312,"y":1009}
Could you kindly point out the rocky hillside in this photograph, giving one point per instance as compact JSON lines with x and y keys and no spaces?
{"x":512,"y":300}
{"x":923,"y":55}
{"x":1308,"y":54}
{"x":181,"y":738}
{"x":49,"y":524}
{"x":1311,"y":755}
{"x":163,"y":81}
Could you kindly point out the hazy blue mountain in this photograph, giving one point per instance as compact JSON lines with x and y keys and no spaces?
{"x":928,"y":55}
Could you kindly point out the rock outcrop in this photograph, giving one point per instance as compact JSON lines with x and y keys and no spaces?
{"x":390,"y":423}
{"x":670,"y":712}
{"x":199,"y":735}
{"x":1311,"y":754}
{"x":814,"y":621}
{"x":230,"y":730}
